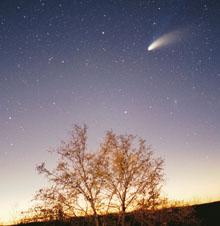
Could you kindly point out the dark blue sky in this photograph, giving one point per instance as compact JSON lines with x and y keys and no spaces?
{"x":65,"y":62}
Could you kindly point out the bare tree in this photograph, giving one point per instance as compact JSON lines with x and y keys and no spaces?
{"x":134,"y":177}
{"x":77,"y":178}
{"x":121,"y":176}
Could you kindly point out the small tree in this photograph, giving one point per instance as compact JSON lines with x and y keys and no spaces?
{"x":134,"y":177}
{"x":77,"y":177}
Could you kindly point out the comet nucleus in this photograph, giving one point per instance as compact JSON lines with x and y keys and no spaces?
{"x":164,"y":40}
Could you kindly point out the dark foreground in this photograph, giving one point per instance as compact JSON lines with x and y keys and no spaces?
{"x":208,"y":213}
{"x":204,"y":214}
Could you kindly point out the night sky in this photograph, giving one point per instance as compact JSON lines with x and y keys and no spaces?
{"x":70,"y":61}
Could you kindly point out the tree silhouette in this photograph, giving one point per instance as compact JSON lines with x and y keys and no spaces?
{"x":120,"y":176}
{"x":77,"y":177}
{"x":134,"y":177}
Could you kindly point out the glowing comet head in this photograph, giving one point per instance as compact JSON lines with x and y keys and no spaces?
{"x":153,"y":46}
{"x":164,"y":40}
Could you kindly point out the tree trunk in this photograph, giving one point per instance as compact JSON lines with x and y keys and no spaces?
{"x":95,"y":215}
{"x":123,"y":216}
{"x":96,"y":220}
{"x":123,"y":219}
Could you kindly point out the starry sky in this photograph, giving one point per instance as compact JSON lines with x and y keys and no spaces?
{"x":72,"y":61}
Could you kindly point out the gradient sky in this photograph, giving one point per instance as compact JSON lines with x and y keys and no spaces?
{"x":70,"y":61}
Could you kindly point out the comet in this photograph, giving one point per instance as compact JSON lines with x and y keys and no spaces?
{"x":165,"y":40}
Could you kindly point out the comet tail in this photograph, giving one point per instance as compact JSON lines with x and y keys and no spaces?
{"x":164,"y":40}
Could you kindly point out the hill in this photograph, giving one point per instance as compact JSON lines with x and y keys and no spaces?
{"x":208,"y":213}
